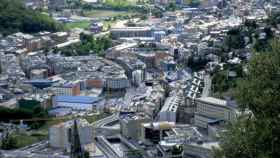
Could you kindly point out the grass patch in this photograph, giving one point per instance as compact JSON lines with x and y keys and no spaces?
{"x":22,"y":140}
{"x":106,"y":13}
{"x":81,"y":24}
{"x":108,"y":24}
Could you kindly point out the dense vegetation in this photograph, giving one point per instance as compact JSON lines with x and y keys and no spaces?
{"x":274,"y":19}
{"x":194,"y":3}
{"x":26,"y":110}
{"x":223,"y":82}
{"x":88,"y":45}
{"x":14,"y":17}
{"x":257,"y":135}
{"x":236,"y":37}
{"x":118,"y":3}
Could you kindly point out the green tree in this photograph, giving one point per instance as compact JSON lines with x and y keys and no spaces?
{"x":8,"y":142}
{"x":235,"y":39}
{"x":157,"y":13}
{"x":86,"y":154}
{"x":194,"y":3}
{"x":134,"y":154}
{"x":274,"y":19}
{"x":14,"y":17}
{"x":171,"y":6}
{"x":257,"y":136}
{"x":88,"y":45}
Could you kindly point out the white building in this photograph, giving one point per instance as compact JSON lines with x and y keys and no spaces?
{"x":158,"y":35}
{"x":59,"y":134}
{"x":211,"y":109}
{"x":137,"y":77}
{"x":169,"y":109}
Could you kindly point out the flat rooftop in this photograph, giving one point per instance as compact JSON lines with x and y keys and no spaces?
{"x":212,"y":100}
{"x":131,"y":29}
{"x":77,"y":99}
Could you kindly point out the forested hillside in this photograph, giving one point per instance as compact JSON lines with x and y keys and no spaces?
{"x":14,"y":17}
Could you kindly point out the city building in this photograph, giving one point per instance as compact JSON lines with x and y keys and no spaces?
{"x":169,"y":110}
{"x":36,"y":4}
{"x":75,"y":102}
{"x":57,"y":4}
{"x":131,"y":32}
{"x":96,"y":27}
{"x":138,"y":77}
{"x":158,"y":35}
{"x":59,"y":135}
{"x":38,"y":74}
{"x":59,"y":37}
{"x":209,"y":109}
{"x":70,"y":89}
{"x":116,"y":83}
{"x":168,"y":64}
{"x":153,"y":131}
{"x":200,"y":149}
{"x":131,"y":125}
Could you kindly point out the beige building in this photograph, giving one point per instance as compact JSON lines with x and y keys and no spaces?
{"x":209,"y":109}
{"x":69,"y":89}
{"x":131,"y":125}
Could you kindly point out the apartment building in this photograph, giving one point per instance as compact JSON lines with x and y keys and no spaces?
{"x":209,"y":109}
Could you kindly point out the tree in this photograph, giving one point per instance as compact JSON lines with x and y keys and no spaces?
{"x":274,"y":19}
{"x":194,"y":3}
{"x":235,"y":39}
{"x":86,"y":154}
{"x":88,"y":45}
{"x":14,"y":17}
{"x":157,"y":13}
{"x":171,"y":6}
{"x":8,"y":142}
{"x":257,"y":135}
{"x":134,"y":153}
{"x":177,"y":150}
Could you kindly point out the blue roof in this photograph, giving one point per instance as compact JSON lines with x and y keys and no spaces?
{"x":190,"y":9}
{"x":77,"y":99}
{"x":68,"y":85}
{"x":40,"y":81}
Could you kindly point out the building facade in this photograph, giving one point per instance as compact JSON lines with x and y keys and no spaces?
{"x":210,"y":109}
{"x":75,"y":102}
{"x":59,"y":135}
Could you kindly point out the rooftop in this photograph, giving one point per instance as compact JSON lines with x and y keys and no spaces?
{"x":77,"y":99}
{"x":69,"y":124}
{"x":131,"y":29}
{"x":212,"y":100}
